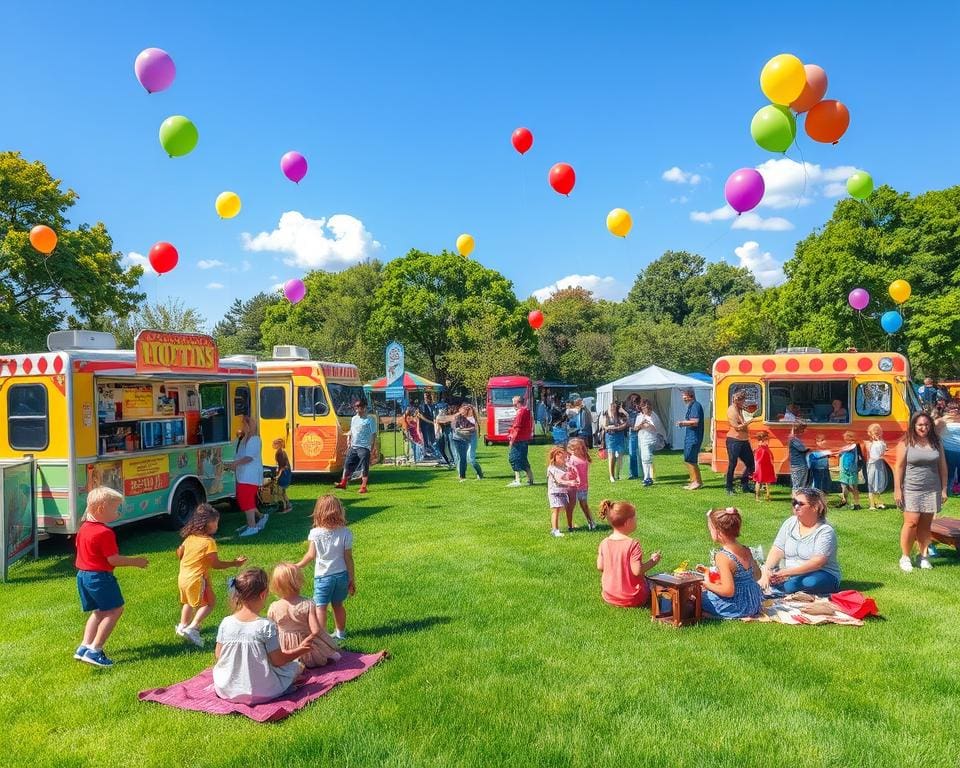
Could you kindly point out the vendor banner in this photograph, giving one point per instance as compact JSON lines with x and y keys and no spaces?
{"x":161,"y":352}
{"x":18,"y":535}
{"x":145,"y":474}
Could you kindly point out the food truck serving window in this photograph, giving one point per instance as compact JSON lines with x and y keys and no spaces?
{"x":504,"y":395}
{"x":818,"y":402}
{"x":27,"y":417}
{"x":312,"y":402}
{"x":344,"y":396}
{"x":139,"y":415}
{"x":874,"y":398}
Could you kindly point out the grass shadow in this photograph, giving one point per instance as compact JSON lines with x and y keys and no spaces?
{"x":402,"y":626}
{"x":861,"y":586}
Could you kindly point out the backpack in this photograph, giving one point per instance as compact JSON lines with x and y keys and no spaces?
{"x":848,"y":461}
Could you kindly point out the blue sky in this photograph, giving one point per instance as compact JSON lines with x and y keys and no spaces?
{"x":405,"y":110}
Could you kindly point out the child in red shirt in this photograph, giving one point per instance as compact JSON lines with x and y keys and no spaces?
{"x":620,"y":559}
{"x":97,"y":556}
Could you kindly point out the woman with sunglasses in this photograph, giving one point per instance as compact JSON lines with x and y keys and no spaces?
{"x":805,"y":549}
{"x":919,"y":486}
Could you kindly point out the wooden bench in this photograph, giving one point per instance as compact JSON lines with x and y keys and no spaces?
{"x":946,"y":530}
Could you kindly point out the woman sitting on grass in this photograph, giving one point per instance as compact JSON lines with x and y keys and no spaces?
{"x":737,"y":595}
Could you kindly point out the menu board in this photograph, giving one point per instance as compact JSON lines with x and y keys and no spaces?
{"x":137,"y":401}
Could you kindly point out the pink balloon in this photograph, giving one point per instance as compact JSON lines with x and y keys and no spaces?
{"x":294,"y":290}
{"x":813,"y":92}
{"x":154,"y":69}
{"x":294,"y":166}
{"x":744,"y":189}
{"x":859,"y":299}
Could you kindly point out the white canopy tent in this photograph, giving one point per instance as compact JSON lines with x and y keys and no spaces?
{"x":662,"y":388}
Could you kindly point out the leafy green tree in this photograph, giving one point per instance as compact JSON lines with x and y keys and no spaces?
{"x":484,"y":351}
{"x":574,"y":342}
{"x":690,"y":346}
{"x":239,"y":332}
{"x":83,"y":274}
{"x":663,"y":288}
{"x":427,"y":302}
{"x":171,"y":315}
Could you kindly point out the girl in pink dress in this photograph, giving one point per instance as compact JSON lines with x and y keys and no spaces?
{"x":578,"y":462}
{"x":764,"y":475}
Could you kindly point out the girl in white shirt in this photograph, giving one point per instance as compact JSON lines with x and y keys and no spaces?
{"x":876,"y":469}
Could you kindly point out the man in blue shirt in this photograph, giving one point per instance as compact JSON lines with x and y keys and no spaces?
{"x":360,"y":444}
{"x":692,"y":438}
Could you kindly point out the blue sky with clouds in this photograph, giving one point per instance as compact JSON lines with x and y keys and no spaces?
{"x":405,"y":110}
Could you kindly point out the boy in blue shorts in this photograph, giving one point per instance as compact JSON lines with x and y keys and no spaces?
{"x":97,"y":556}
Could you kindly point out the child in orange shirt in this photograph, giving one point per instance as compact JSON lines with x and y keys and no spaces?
{"x":198,"y":554}
{"x":620,"y":558}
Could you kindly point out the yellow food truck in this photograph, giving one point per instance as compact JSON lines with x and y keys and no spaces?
{"x":831,"y":392}
{"x":308,"y":404}
{"x":156,"y":423}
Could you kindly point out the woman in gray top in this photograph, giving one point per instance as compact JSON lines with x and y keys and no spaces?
{"x":919,"y":486}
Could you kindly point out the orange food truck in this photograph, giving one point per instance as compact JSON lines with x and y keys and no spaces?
{"x":871,"y":387}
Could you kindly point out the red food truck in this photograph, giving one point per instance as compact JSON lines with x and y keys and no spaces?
{"x":500,"y":411}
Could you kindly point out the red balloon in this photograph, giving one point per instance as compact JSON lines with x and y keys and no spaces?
{"x":535,"y":318}
{"x":163,"y":257}
{"x":827,"y":121}
{"x":522,"y":140}
{"x":562,"y":178}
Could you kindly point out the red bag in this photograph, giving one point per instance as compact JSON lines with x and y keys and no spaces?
{"x":854,"y":603}
{"x":602,"y":454}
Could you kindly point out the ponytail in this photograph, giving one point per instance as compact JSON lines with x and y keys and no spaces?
{"x":617,"y":512}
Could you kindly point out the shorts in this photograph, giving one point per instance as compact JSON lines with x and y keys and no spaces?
{"x":284,"y":478}
{"x":247,"y":496}
{"x":518,"y":456}
{"x":582,"y":495}
{"x":922,"y":502}
{"x":331,"y":588}
{"x":357,"y":458}
{"x":195,"y":592}
{"x":99,"y":591}
{"x":558,"y":499}
{"x":615,"y":442}
{"x":691,"y":453}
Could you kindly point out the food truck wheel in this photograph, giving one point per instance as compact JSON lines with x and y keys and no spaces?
{"x":188,"y":495}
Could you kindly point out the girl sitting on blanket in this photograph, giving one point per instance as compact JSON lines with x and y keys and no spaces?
{"x":297,"y":617}
{"x":251,"y":666}
{"x":736,"y":595}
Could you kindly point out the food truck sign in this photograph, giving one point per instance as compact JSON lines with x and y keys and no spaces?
{"x":161,"y":352}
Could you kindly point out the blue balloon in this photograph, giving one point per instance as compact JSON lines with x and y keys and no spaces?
{"x":891,"y":321}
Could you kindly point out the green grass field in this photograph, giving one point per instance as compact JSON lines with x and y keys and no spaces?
{"x":501,"y":651}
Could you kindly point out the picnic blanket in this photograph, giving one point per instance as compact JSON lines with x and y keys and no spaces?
{"x":801,"y":608}
{"x":197,"y":693}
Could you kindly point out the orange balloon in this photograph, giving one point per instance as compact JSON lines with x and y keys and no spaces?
{"x":813,"y":91}
{"x":43,"y":238}
{"x":827,"y":121}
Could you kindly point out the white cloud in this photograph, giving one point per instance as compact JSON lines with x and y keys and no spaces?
{"x":214,"y":286}
{"x":754,"y":221}
{"x":679,"y":176}
{"x":718,"y":214}
{"x":134,"y":259}
{"x":601,"y":287}
{"x":245,"y":265}
{"x":764,"y":267}
{"x":338,"y":241}
{"x":683,"y":199}
{"x":276,"y":288}
{"x":210,"y":263}
{"x":786,"y":186}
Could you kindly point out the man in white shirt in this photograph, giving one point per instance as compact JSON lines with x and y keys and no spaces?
{"x":360,"y":442}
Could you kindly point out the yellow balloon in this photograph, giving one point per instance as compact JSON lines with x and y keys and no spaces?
{"x":900,"y":291}
{"x":619,"y":222}
{"x":465,"y":245}
{"x":783,"y":79}
{"x":228,"y":205}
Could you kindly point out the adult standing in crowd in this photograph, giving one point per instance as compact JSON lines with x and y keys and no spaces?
{"x":692,"y":424}
{"x":519,"y":436}
{"x":919,"y":486}
{"x":806,"y":544}
{"x":948,"y":428}
{"x":613,"y":425}
{"x":633,"y":438}
{"x":651,"y":436}
{"x":584,"y":423}
{"x":427,"y":413}
{"x":543,"y":415}
{"x":463,"y":438}
{"x":360,"y":445}
{"x":248,"y":466}
{"x":929,"y":393}
{"x":738,"y":443}
{"x":443,"y":416}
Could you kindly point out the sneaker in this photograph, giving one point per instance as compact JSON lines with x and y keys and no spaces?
{"x":925,"y":564}
{"x":648,"y":482}
{"x":80,"y":652}
{"x":339,"y":635}
{"x":856,"y":506}
{"x":905,"y":564}
{"x":569,"y":529}
{"x":556,"y":533}
{"x":932,"y":551}
{"x":193,"y":635}
{"x":591,"y":526}
{"x":97,"y":658}
{"x":178,"y":630}
{"x":612,"y":479}
{"x":363,"y":489}
{"x":514,"y":484}
{"x":250,"y":531}
{"x":341,"y":484}
{"x":873,"y":509}
{"x":262,"y":522}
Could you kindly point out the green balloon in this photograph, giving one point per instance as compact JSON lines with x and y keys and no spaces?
{"x":178,"y":136}
{"x":774,"y":128}
{"x":860,"y":185}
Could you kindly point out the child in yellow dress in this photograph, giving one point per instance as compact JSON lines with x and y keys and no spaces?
{"x":297,"y":619}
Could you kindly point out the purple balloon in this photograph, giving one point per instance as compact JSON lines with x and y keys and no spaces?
{"x":294,"y":290}
{"x":744,"y":189}
{"x":155,"y":69}
{"x":294,"y":166}
{"x":859,"y":299}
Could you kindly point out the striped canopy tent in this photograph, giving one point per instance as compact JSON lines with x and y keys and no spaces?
{"x":411,"y":383}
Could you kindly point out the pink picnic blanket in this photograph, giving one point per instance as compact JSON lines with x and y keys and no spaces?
{"x":197,"y":693}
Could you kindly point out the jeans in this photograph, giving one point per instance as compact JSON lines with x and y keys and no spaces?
{"x":820,"y":478}
{"x":472,"y":456}
{"x":465,"y":451}
{"x":646,"y":458}
{"x":815,"y":582}
{"x":739,"y":450}
{"x":442,"y":445}
{"x":953,"y":466}
{"x":633,"y":448}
